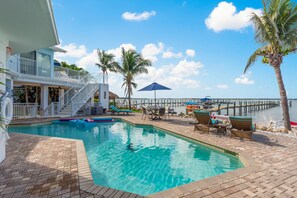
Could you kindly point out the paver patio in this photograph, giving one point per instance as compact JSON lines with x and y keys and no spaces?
{"x":49,"y":167}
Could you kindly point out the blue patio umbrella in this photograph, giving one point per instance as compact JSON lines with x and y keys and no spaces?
{"x":154,"y":87}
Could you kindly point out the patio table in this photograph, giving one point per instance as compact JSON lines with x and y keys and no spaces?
{"x":154,"y":111}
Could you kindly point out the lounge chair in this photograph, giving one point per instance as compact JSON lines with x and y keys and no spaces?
{"x":242,"y":127}
{"x":116,"y":110}
{"x":205,"y":123}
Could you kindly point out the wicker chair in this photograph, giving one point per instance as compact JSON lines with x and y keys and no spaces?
{"x":242,"y":127}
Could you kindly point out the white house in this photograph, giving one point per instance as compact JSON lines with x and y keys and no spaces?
{"x":24,"y":26}
{"x":50,"y":84}
{"x":28,"y":37}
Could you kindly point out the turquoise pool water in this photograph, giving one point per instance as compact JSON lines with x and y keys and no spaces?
{"x":141,"y":160}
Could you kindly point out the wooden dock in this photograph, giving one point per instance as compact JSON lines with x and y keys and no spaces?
{"x":225,"y":106}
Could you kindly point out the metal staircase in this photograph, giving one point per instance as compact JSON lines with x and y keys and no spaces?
{"x":74,"y":98}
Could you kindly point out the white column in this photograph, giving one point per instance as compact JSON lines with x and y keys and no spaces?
{"x":44,"y":96}
{"x":61,"y":96}
{"x":104,"y":95}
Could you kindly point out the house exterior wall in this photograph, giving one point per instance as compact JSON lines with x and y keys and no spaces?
{"x":3,"y":56}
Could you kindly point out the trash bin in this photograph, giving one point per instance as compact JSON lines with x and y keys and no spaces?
{"x":96,"y":110}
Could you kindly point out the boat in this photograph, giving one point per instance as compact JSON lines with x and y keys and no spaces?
{"x":293,"y":124}
{"x":207,"y":102}
{"x":191,"y":106}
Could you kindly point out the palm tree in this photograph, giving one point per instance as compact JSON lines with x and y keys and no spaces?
{"x":276,"y":31}
{"x":132,"y":65}
{"x":106,"y":62}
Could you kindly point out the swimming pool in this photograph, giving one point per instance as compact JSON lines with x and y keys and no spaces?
{"x":141,"y":160}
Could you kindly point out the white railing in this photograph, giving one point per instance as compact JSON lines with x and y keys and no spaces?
{"x":25,"y":110}
{"x":65,"y":99}
{"x":79,"y":99}
{"x":28,"y":66}
{"x":64,"y":73}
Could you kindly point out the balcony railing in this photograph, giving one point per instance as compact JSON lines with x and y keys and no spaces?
{"x":65,"y":73}
{"x":28,"y":66}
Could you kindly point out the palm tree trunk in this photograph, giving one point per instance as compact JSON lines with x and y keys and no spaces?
{"x":129,"y":99}
{"x":283,"y":96}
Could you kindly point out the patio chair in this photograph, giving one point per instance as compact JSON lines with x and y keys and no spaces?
{"x":205,"y":123}
{"x":242,"y":127}
{"x":145,"y":113}
{"x":170,"y":112}
{"x":116,"y":110}
{"x":162,"y":113}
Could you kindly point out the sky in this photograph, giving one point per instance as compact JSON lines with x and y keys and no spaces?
{"x":198,"y":47}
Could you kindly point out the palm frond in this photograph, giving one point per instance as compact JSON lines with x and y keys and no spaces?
{"x":253,"y":59}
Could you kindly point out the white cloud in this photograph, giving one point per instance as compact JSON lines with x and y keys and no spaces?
{"x":173,"y":76}
{"x":225,"y":17}
{"x":88,"y":61}
{"x":186,"y":68}
{"x":182,"y":74}
{"x":190,"y":52}
{"x":129,"y":16}
{"x":222,"y":86}
{"x":73,"y":51}
{"x":244,"y":79}
{"x":151,"y":50}
{"x":118,"y":51}
{"x":170,"y":54}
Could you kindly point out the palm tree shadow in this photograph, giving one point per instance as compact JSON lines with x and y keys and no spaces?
{"x":264,"y":139}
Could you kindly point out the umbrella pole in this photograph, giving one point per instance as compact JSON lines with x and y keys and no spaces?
{"x":155,"y":99}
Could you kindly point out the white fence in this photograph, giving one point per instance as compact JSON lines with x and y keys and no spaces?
{"x":32,"y":110}
{"x":25,"y":110}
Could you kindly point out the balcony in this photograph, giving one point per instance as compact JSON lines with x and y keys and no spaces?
{"x":31,"y":68}
{"x":68,"y":74}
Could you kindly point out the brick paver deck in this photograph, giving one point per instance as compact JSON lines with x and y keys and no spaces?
{"x":52,"y":167}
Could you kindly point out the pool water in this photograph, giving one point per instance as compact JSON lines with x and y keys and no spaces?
{"x":141,"y":160}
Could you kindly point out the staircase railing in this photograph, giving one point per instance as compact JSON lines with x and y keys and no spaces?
{"x":83,"y":95}
{"x":65,"y":99}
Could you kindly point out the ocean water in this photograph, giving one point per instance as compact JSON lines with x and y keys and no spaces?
{"x":141,"y":160}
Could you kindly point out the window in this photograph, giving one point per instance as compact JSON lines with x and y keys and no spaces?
{"x":29,"y":55}
{"x":44,"y":64}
